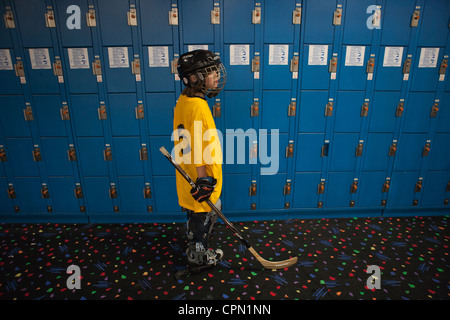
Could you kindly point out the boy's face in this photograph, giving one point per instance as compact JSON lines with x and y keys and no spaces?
{"x":212,"y":80}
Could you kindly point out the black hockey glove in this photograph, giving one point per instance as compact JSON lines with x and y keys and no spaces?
{"x":205,"y":187}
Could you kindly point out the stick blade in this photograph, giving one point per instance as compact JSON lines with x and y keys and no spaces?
{"x":273,"y":264}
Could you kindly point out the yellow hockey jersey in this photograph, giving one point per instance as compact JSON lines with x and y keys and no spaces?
{"x":197,"y":143}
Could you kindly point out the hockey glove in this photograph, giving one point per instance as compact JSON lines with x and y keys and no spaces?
{"x":205,"y":187}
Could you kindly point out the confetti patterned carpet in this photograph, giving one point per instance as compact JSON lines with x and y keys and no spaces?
{"x":138,"y":261}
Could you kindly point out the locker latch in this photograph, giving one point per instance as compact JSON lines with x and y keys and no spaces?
{"x":113,"y":192}
{"x":447,"y":189}
{"x":415,"y":18}
{"x":290,"y":150}
{"x":12,"y":192}
{"x":143,"y":154}
{"x":147,"y":192}
{"x":337,"y":17}
{"x":28,"y":113}
{"x":354,"y":187}
{"x":97,"y":67}
{"x":418,"y":186}
{"x":256,"y":15}
{"x":107,"y":154}
{"x":45,"y":193}
{"x":102,"y":112}
{"x":215,"y":15}
{"x":329,"y":109}
{"x":256,"y":64}
{"x":400,"y":108}
{"x":443,"y":67}
{"x":78,"y":192}
{"x":255,"y":109}
{"x":173,"y":66}
{"x":136,"y":66}
{"x":407,"y":66}
{"x":365,"y":109}
{"x":321,"y":187}
{"x":434,"y":110}
{"x":64,"y":111}
{"x":392,"y":149}
{"x":252,"y":190}
{"x":287,"y":189}
{"x":297,"y":16}
{"x":359,"y":149}
{"x":20,"y":72}
{"x":217,"y":109}
{"x":332,"y":67}
{"x":139,"y":111}
{"x":131,"y":17}
{"x":37,"y":156}
{"x":370,"y":65}
{"x":57,"y":68}
{"x":3,"y":156}
{"x":71,"y":154}
{"x":173,"y":17}
{"x":294,"y":64}
{"x":50,"y":19}
{"x":426,"y":149}
{"x":325,"y":148}
{"x":9,"y":20}
{"x":386,"y":186}
{"x":90,"y":18}
{"x":292,"y":109}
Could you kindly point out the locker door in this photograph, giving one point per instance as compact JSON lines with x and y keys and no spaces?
{"x":277,"y":16}
{"x":355,"y":22}
{"x":434,"y":27}
{"x":444,"y":113}
{"x":401,"y":191}
{"x":156,"y":65}
{"x":73,"y":37}
{"x":96,"y":195}
{"x":348,"y":111}
{"x":113,"y":23}
{"x":418,"y":110}
{"x":154,"y":17}
{"x":305,"y":189}
{"x":11,"y":116}
{"x":271,"y":194}
{"x":31,"y":23}
{"x":62,"y":191}
{"x":396,"y":21}
{"x":236,"y":153}
{"x":84,"y":112}
{"x":196,"y":17}
{"x":165,"y":194}
{"x":237,"y":22}
{"x":47,"y":113}
{"x":160,"y":113}
{"x":118,"y":69}
{"x":376,"y":151}
{"x":54,"y":153}
{"x":427,"y":62}
{"x":382,"y":114}
{"x":314,"y":74}
{"x":434,"y":188}
{"x":126,"y":155}
{"x":236,"y":109}
{"x":352,"y":66}
{"x":318,"y":18}
{"x":40,"y":73}
{"x":275,"y":110}
{"x":308,"y":153}
{"x":440,"y":152}
{"x":409,"y":152}
{"x":277,"y":61}
{"x":272,"y":152}
{"x":389,"y":68}
{"x":7,"y":204}
{"x":369,"y":189}
{"x":312,"y":111}
{"x":123,"y":115}
{"x":236,"y":191}
{"x":28,"y":191}
{"x":160,"y":165}
{"x":343,"y":148}
{"x":338,"y":189}
{"x":90,"y":155}
{"x":238,"y":63}
{"x":79,"y":75}
{"x":20,"y":156}
{"x":131,"y":194}
{"x":9,"y":82}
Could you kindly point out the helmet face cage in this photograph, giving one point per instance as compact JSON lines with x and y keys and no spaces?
{"x":212,"y":79}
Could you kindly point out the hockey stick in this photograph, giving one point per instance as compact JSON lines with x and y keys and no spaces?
{"x":266,"y":264}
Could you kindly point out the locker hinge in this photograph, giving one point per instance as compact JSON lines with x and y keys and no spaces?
{"x":287,"y":189}
{"x":139,"y":112}
{"x":3,"y":156}
{"x":290,"y":150}
{"x":292,"y":108}
{"x":78,"y":192}
{"x":399,"y":110}
{"x":365,"y":109}
{"x":354,"y":187}
{"x":113,"y":192}
{"x":37,"y":156}
{"x":173,"y":17}
{"x":386,"y":186}
{"x":434,"y":110}
{"x":215,"y":15}
{"x":12,"y":192}
{"x":132,"y":17}
{"x":337,"y":17}
{"x":45,"y":193}
{"x":90,"y":18}
{"x":50,"y":19}
{"x":297,"y":16}
{"x":254,"y":112}
{"x":147,"y":192}
{"x":443,"y":67}
{"x":321,"y":187}
{"x":256,"y":15}
{"x":143,"y":154}
{"x":71,"y":154}
{"x":107,"y":154}
{"x":426,"y":149}
{"x":252,"y":189}
{"x":64,"y":111}
{"x":9,"y":20}
{"x":359,"y":149}
{"x":392,"y":149}
{"x":102,"y":112}
{"x":217,"y":110}
{"x":415,"y":18}
{"x":28,"y":113}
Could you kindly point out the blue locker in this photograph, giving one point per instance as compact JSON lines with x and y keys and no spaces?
{"x":401,"y":191}
{"x":343,"y":147}
{"x":159,"y":113}
{"x":444,"y":113}
{"x":239,"y":74}
{"x":311,"y":110}
{"x":236,"y":110}
{"x":84,"y":114}
{"x":159,"y":77}
{"x":315,"y":76}
{"x":28,"y":192}
{"x":80,"y":77}
{"x":355,"y":27}
{"x":113,"y":24}
{"x":119,"y":77}
{"x":164,"y":192}
{"x":337,"y":187}
{"x":160,"y":165}
{"x":389,"y":78}
{"x":308,"y":152}
{"x":11,"y":116}
{"x":73,"y":37}
{"x":305,"y":189}
{"x":236,"y":192}
{"x":369,"y":189}
{"x":5,"y":40}
{"x":41,"y":77}
{"x":376,"y":151}
{"x":409,"y":152}
{"x":236,"y":152}
{"x":440,"y":152}
{"x":126,"y":156}
{"x":434,"y":189}
{"x":277,"y":15}
{"x":31,"y":23}
{"x":123,"y":115}
{"x":96,"y":195}
{"x":426,"y":78}
{"x":348,"y":111}
{"x":382,"y":111}
{"x":7,"y":204}
{"x":62,"y":192}
{"x":20,"y":157}
{"x":277,"y":74}
{"x":275,"y":110}
{"x":237,"y":22}
{"x":353,"y":77}
{"x":46,"y":110}
{"x":317,"y":18}
{"x":196,"y":22}
{"x":9,"y":82}
{"x":154,"y":17}
{"x":396,"y":21}
{"x":54,"y":154}
{"x":272,"y":185}
{"x":434,"y":27}
{"x":131,"y":194}
{"x":90,"y":156}
{"x":267,"y":153}
{"x":418,"y":109}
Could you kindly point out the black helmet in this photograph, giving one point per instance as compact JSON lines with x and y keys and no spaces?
{"x":202,"y":64}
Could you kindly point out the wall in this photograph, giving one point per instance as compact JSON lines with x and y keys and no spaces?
{"x":87,"y":95}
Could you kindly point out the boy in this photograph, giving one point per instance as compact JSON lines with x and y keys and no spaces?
{"x":198,"y":151}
